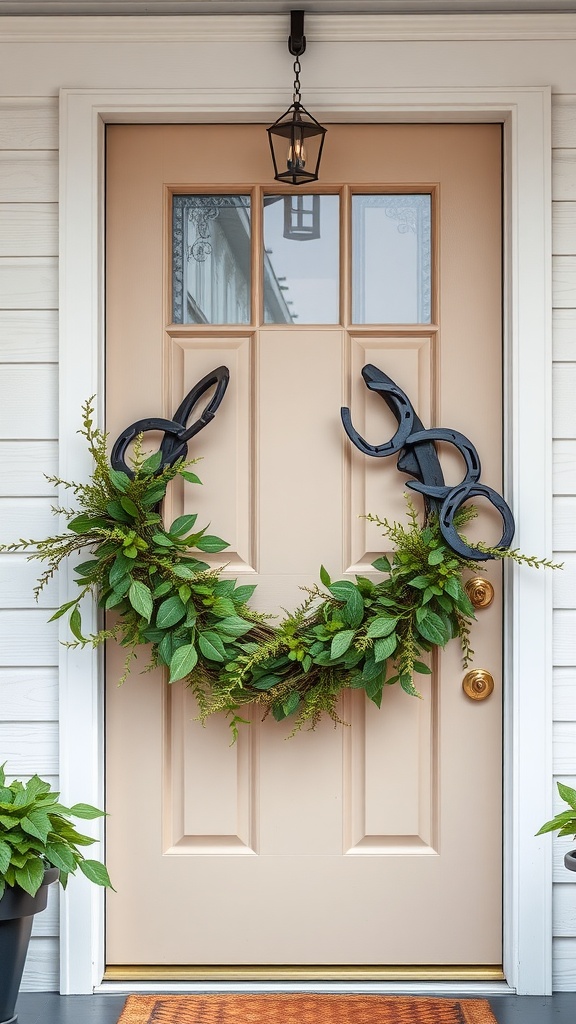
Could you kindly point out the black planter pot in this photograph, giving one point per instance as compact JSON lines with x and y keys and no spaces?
{"x":570,"y":860}
{"x":17,"y":911}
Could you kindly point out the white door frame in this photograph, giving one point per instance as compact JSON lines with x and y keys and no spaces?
{"x":525,"y":114}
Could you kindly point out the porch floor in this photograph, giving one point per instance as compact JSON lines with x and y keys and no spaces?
{"x":50,"y":1008}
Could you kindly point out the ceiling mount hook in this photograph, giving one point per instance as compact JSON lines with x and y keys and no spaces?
{"x":296,"y":39}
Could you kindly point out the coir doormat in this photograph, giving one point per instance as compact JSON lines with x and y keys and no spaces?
{"x":304,"y":1009}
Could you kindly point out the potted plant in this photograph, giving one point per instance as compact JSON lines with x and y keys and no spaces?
{"x":38,"y":844}
{"x":564,"y":823}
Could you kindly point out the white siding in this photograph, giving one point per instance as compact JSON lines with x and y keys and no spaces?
{"x":564,"y":414}
{"x":28,"y":449}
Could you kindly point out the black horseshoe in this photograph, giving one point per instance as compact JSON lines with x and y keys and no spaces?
{"x":456,"y":498}
{"x":174,"y":445}
{"x":419,"y":458}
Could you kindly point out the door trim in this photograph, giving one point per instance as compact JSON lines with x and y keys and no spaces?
{"x":525,"y":114}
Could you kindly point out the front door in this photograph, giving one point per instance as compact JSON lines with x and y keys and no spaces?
{"x":378,"y":843}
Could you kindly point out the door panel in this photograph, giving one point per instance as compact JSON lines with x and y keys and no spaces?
{"x":349,"y":845}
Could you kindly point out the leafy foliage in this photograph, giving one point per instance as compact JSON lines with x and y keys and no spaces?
{"x":360,"y":634}
{"x":565,"y":822}
{"x":36,"y":832}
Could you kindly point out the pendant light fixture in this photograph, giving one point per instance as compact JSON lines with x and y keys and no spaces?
{"x":296,"y":138}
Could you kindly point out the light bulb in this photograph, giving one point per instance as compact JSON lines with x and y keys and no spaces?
{"x":297,"y":155}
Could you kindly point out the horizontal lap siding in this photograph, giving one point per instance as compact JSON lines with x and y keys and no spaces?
{"x":564,"y":420}
{"x":28,"y":450}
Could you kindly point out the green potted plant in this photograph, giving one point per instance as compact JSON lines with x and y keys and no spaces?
{"x":564,"y":823}
{"x":38,"y":845}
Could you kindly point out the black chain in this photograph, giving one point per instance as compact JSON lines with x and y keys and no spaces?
{"x":297,"y":70}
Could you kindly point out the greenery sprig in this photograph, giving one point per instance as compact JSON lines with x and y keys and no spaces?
{"x":362,"y":634}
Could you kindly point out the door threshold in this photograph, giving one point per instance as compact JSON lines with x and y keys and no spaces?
{"x":295,"y":975}
{"x":480,"y":989}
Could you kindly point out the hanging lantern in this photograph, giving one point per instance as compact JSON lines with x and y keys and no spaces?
{"x":296,"y":138}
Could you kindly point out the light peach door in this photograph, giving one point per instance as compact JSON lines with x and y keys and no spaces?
{"x":369,"y":845}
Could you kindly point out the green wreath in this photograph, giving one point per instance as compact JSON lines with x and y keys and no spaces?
{"x":363,"y":634}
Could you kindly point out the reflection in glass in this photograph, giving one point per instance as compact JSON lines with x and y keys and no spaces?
{"x":301,"y":259}
{"x":391,"y":259}
{"x":211,"y":259}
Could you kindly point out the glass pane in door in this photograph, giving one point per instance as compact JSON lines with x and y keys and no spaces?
{"x":301,"y":259}
{"x":211,"y":259}
{"x":391,"y":259}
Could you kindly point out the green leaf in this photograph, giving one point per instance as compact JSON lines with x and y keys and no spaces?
{"x":119,"y":480}
{"x":382,"y":564}
{"x":568,"y":794}
{"x":129,"y":507}
{"x":374,"y":691}
{"x":190,"y":477}
{"x":408,"y":686}
{"x":166,"y":649}
{"x":433,"y":629}
{"x":114,"y":508}
{"x":183,"y":524}
{"x":162,"y":541}
{"x":140,"y":598}
{"x":84,"y":523}
{"x":212,"y":544}
{"x":62,"y":610}
{"x":170,"y":612}
{"x":278,"y":712}
{"x":423,"y":669}
{"x":211,"y":646}
{"x":183,"y":661}
{"x":87,"y":568}
{"x":37,"y":824}
{"x":120,"y":568}
{"x":436,"y":556}
{"x":353,"y":610}
{"x":190,"y":569}
{"x":61,"y":856}
{"x":151,"y":464}
{"x":382,"y":626}
{"x":86,"y":811}
{"x":96,"y":872}
{"x":76,"y":625}
{"x":31,"y":876}
{"x":233,"y":626}
{"x":5,"y":854}
{"x":452,"y":587}
{"x":372,"y":670}
{"x":324,"y":577}
{"x":223,"y":607}
{"x":224,"y":588}
{"x":384,"y":647}
{"x":341,"y":642}
{"x":265,"y":682}
{"x":291,"y":702}
{"x":243,"y":594}
{"x":419,"y":582}
{"x":162,"y":588}
{"x":153,"y":495}
{"x":342,"y":589}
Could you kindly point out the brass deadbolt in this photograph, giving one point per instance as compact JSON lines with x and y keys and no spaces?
{"x":478,"y":684}
{"x":480,"y":591}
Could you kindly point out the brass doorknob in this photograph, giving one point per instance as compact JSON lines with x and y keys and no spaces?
{"x":478,"y":684}
{"x":480,"y":591}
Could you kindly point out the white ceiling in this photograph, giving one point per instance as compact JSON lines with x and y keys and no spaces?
{"x":147,"y":7}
